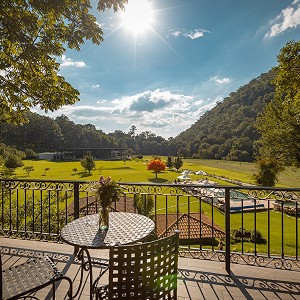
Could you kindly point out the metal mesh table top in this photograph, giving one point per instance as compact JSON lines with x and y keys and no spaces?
{"x":124,"y":228}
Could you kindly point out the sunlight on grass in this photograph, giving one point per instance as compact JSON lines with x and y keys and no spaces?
{"x":136,"y":171}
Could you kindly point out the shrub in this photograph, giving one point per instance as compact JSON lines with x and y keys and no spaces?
{"x":257,"y":237}
{"x":239,"y":235}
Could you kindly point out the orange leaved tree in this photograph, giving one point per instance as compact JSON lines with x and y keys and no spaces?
{"x":156,"y":165}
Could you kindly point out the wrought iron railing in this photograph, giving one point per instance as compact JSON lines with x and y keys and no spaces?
{"x":235,"y":224}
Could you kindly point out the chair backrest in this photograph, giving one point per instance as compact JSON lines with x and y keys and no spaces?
{"x":144,"y":271}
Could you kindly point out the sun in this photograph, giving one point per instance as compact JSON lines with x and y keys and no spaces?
{"x":138,"y":16}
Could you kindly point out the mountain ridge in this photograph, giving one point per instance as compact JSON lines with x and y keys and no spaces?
{"x":227,"y":131}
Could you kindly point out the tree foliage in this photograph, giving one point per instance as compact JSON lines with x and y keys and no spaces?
{"x":34,"y":214}
{"x":33,"y":33}
{"x":10,"y":159}
{"x":268,"y":170}
{"x":13,"y":161}
{"x":87,"y":162}
{"x":227,"y":131}
{"x":169,"y":163}
{"x":156,"y":165}
{"x":144,"y":204}
{"x":280,"y":123}
{"x":178,"y":163}
{"x":28,"y":169}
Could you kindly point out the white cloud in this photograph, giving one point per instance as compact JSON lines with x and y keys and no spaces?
{"x":176,"y":33}
{"x":67,"y":62}
{"x":152,"y":101}
{"x":191,"y":34}
{"x":218,"y":80}
{"x":164,"y":113}
{"x":101,"y":101}
{"x":95,"y":86}
{"x":287,"y":19}
{"x":194,"y":34}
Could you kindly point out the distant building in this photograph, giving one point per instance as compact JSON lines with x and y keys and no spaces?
{"x":47,"y":156}
{"x":193,"y":228}
{"x":98,"y":153}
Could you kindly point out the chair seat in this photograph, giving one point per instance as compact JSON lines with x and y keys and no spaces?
{"x":27,"y":277}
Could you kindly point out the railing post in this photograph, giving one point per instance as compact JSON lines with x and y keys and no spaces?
{"x":76,"y":200}
{"x":227,"y":230}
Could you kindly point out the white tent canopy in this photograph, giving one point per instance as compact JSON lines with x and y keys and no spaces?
{"x":200,"y":173}
{"x":186,"y":172}
{"x":184,"y":177}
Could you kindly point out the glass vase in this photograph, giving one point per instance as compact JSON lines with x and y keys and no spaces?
{"x":103,"y":218}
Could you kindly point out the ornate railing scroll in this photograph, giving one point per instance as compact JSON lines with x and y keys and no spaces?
{"x":254,"y":211}
{"x":264,"y":226}
{"x":34,"y":209}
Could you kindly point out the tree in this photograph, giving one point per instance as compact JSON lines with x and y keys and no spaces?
{"x":169,"y":163}
{"x":13,"y":161}
{"x":287,"y":81}
{"x":87,"y":162}
{"x":28,"y":169}
{"x":268,"y":170}
{"x":280,"y":123}
{"x":178,"y":163}
{"x":184,"y":151}
{"x":32,"y":35}
{"x":132,"y":131}
{"x":30,"y":154}
{"x":156,"y":165}
{"x":144,"y":204}
{"x":45,"y":171}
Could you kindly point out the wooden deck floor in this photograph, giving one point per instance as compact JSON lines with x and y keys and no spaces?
{"x":198,"y":279}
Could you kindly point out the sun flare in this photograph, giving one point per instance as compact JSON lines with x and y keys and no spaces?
{"x":138,"y":16}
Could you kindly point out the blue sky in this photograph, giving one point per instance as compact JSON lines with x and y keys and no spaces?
{"x":193,"y":54}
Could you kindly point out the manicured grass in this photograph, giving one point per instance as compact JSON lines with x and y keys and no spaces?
{"x":136,"y":171}
{"x":275,"y":241}
{"x":130,"y":171}
{"x":243,"y":171}
{"x":276,"y":232}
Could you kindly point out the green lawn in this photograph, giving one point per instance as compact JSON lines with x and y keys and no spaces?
{"x":130,"y":171}
{"x":135,"y":171}
{"x":289,"y":228}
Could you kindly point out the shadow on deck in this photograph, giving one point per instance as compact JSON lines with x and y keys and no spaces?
{"x":197,"y":279}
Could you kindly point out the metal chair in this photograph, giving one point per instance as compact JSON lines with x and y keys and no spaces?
{"x":21,"y":280}
{"x":142,"y":271}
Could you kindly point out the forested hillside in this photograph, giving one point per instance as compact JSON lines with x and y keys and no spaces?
{"x":227,"y":131}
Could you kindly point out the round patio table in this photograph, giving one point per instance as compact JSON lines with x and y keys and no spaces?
{"x":124,"y":228}
{"x":85,"y":233}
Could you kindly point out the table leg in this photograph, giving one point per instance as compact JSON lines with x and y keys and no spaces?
{"x":84,"y":257}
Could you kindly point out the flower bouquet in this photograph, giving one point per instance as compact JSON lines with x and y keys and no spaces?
{"x":107,"y":191}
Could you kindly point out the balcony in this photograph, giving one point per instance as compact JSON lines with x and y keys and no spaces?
{"x":250,"y":252}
